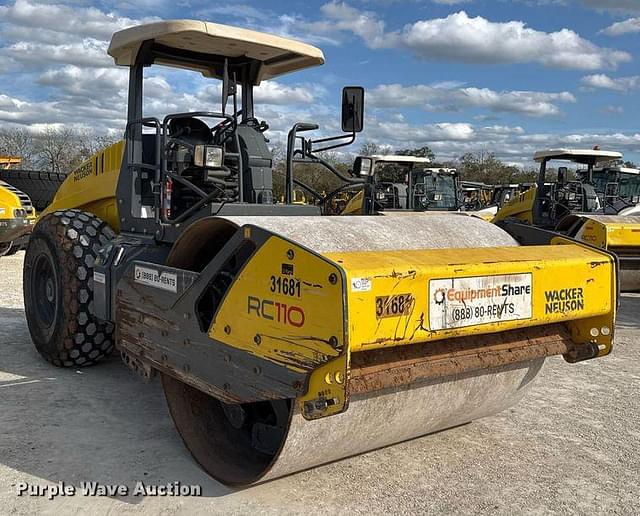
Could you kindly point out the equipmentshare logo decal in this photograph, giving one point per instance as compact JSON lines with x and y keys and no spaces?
{"x":460,"y":302}
{"x":154,"y":278}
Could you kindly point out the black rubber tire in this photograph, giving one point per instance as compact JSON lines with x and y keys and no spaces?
{"x":39,"y":185}
{"x":58,"y":288}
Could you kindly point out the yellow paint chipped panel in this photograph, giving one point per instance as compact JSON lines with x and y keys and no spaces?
{"x":564,"y":283}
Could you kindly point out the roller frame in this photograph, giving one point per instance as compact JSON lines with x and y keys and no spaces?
{"x":160,"y":330}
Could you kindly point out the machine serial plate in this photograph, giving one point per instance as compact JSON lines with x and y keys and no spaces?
{"x":460,"y":302}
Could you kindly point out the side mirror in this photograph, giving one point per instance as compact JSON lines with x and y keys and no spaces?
{"x":363,"y":166}
{"x":352,"y":109}
{"x":562,"y":175}
{"x":612,"y":189}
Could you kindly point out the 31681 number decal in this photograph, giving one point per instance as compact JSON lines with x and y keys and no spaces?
{"x":393,"y":306}
{"x":285,"y":286}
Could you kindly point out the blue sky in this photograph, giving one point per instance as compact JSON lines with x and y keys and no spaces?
{"x":459,"y":75}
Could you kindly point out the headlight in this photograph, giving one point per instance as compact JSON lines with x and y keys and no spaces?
{"x":208,"y":156}
{"x":635,"y":199}
{"x":2,"y":211}
{"x":572,"y":196}
{"x":19,"y":213}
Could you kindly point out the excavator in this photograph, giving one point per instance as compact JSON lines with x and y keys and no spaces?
{"x":285,"y":337}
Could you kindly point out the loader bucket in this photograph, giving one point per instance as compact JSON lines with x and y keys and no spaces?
{"x":341,"y":335}
{"x":618,"y":234}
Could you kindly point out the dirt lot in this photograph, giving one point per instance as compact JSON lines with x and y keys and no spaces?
{"x":573,"y":445}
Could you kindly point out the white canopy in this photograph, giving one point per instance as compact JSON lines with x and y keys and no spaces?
{"x":577,"y":155}
{"x":392,"y":158}
{"x":186,"y":39}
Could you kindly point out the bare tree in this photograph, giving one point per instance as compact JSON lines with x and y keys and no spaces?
{"x":56,"y":149}
{"x":19,"y":143}
{"x":369,"y":148}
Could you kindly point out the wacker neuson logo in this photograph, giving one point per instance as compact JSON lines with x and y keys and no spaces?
{"x":154,"y":278}
{"x":564,"y":300}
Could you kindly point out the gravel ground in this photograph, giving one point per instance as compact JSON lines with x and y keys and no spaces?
{"x":572,"y":446}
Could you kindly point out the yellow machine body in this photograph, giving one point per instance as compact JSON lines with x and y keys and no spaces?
{"x":92,"y":186}
{"x":611,"y":232}
{"x":329,"y":307}
{"x":6,"y":162}
{"x":16,"y":219}
{"x":519,"y":207}
{"x":355,"y":205}
{"x":618,"y":234}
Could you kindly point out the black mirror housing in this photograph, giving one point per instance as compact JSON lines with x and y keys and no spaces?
{"x":562,"y":174}
{"x":363,"y":166}
{"x":352,"y":109}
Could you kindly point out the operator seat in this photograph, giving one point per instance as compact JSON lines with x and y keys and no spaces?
{"x":191,"y":130}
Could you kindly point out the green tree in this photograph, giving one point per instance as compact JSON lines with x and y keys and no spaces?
{"x":488,"y":169}
{"x":421,"y":152}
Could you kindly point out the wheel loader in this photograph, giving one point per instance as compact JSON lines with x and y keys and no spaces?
{"x":285,"y":338}
{"x":17,"y":217}
{"x":573,"y":209}
{"x":22,"y":194}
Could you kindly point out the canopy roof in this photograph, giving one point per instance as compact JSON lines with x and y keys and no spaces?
{"x":392,"y":158}
{"x":584,"y":156}
{"x":203,"y":46}
{"x":622,"y":170}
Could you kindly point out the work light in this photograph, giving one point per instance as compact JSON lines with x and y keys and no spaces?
{"x":208,"y":156}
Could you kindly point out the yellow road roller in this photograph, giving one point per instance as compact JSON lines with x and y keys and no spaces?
{"x":575,"y":208}
{"x":285,"y":337}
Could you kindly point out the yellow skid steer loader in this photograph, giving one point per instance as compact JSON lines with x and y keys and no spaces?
{"x":285,"y":338}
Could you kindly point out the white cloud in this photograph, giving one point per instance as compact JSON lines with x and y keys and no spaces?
{"x":509,"y":143}
{"x":38,"y":34}
{"x":620,"y":6}
{"x":613,"y":110}
{"x":275,"y":93}
{"x":478,"y":40}
{"x":87,"y":53}
{"x":61,"y":49}
{"x":629,"y":26}
{"x":603,"y":81}
{"x":612,"y":6}
{"x":451,"y":97}
{"x":79,"y":21}
{"x":459,"y":37}
{"x":99,"y":99}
